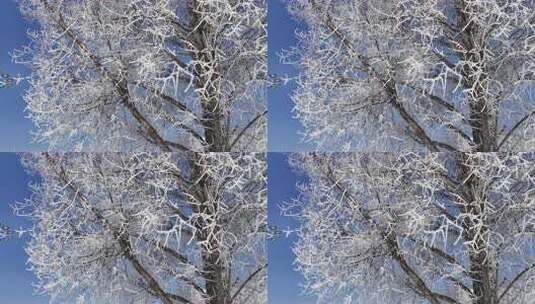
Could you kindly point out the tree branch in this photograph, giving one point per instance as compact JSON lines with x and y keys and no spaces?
{"x":249,"y":125}
{"x":120,"y":86}
{"x":251,"y":276}
{"x":510,"y":285}
{"x":514,"y":128}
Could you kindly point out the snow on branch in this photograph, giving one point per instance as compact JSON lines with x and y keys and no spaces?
{"x":164,"y":75}
{"x":433,"y":228}
{"x":438,"y":75}
{"x":146,"y":228}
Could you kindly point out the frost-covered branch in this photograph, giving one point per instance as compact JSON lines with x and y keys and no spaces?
{"x":162,"y":75}
{"x":439,"y":75}
{"x":145,"y":228}
{"x":436,"y":228}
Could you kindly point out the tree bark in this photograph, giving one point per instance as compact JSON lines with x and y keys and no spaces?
{"x":210,"y":80}
{"x":482,"y":269}
{"x":214,"y":267}
{"x":482,"y":113}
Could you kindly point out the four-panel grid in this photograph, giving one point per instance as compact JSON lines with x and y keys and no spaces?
{"x":255,"y":151}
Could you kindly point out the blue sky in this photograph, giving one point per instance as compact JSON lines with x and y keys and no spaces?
{"x":283,"y":136}
{"x":283,"y":281}
{"x":15,"y":280}
{"x":283,"y":129}
{"x":15,"y":128}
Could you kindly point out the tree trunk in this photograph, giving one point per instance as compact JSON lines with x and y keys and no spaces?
{"x":209,"y":75}
{"x":214,"y":268}
{"x":482,"y":269}
{"x":482,"y":119}
{"x":216,"y":287}
{"x":481,"y":273}
{"x":482,"y":113}
{"x":212,"y":124}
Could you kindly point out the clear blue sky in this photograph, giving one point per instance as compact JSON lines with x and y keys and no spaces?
{"x":15,"y":280}
{"x":283,"y":281}
{"x":15,"y":128}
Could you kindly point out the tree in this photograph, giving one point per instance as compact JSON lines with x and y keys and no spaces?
{"x":417,"y":228}
{"x":145,"y":228}
{"x":158,"y":75}
{"x":438,"y":75}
